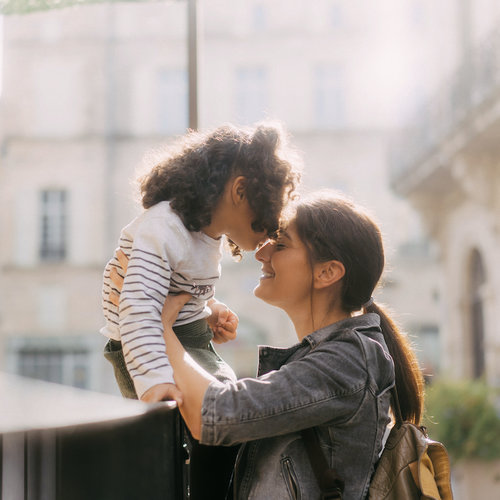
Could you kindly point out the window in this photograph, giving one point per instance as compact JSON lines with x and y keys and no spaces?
{"x":336,"y":15}
{"x":417,"y":14}
{"x":251,"y":94}
{"x":73,"y":360}
{"x":53,"y":364}
{"x":329,"y":97}
{"x":428,"y":349}
{"x":53,"y":206}
{"x":259,"y":17}
{"x":172,"y":101}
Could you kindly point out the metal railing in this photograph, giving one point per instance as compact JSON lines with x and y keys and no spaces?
{"x":473,"y":86}
{"x":59,"y":443}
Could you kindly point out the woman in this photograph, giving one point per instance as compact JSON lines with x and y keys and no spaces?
{"x":321,"y":270}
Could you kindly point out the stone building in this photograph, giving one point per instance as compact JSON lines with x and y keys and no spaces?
{"x":448,"y":166}
{"x":87,"y":91}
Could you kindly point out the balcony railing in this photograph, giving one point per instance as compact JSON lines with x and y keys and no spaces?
{"x":470,"y":91}
{"x":60,"y":443}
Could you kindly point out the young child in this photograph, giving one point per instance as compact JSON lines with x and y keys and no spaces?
{"x":230,"y":181}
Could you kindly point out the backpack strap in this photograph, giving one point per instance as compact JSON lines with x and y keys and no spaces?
{"x":395,"y":406}
{"x":329,"y":482}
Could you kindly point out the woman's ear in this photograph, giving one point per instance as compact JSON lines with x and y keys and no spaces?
{"x":328,"y":273}
{"x":238,"y":189}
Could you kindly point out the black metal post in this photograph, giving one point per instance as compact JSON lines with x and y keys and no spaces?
{"x":193,"y":30}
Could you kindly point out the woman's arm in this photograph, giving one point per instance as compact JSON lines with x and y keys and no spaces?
{"x":191,"y":379}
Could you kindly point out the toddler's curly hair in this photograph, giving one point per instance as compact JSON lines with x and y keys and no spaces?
{"x":194,"y":175}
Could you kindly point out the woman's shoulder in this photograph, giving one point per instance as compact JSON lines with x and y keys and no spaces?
{"x":359,"y":345}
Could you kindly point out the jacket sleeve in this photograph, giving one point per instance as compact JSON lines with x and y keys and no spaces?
{"x":328,"y":384}
{"x":145,"y":288}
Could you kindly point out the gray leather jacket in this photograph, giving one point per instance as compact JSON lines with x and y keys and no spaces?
{"x":336,"y":380}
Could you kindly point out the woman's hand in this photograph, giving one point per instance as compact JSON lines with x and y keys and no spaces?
{"x":162,"y":392}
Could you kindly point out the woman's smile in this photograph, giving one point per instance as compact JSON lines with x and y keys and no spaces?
{"x":266,"y":275}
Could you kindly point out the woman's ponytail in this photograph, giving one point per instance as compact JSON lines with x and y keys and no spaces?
{"x":409,"y":379}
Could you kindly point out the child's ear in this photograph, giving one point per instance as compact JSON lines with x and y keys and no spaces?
{"x":238,"y":189}
{"x":328,"y":273}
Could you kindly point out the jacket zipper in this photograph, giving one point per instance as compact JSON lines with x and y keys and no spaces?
{"x":290,"y":478}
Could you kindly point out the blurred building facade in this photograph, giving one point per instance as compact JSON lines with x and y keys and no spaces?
{"x":448,"y":165}
{"x":88,"y":91}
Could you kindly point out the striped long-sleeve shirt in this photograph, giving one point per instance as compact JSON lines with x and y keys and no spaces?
{"x":164,"y":257}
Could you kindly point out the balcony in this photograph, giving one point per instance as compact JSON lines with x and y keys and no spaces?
{"x":60,"y":443}
{"x":461,"y":119}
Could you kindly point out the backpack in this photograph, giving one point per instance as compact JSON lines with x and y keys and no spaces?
{"x":411,"y":467}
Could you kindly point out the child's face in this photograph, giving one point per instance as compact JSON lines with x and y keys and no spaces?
{"x":240,"y":229}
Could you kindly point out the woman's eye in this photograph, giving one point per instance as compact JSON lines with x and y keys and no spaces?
{"x":279,"y":246}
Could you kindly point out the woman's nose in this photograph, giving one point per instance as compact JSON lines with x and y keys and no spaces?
{"x":263,"y":254}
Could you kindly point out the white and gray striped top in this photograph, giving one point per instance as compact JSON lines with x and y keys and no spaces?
{"x":164,"y":257}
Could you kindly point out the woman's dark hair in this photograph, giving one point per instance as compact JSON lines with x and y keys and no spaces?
{"x":194,"y":175}
{"x":333,"y":228}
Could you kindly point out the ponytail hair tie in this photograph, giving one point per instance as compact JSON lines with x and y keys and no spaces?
{"x":368,"y":303}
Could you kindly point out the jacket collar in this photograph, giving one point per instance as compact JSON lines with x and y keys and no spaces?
{"x":367,"y":321}
{"x":271,"y":358}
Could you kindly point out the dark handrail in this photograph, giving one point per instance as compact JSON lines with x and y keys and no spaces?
{"x":62,"y":443}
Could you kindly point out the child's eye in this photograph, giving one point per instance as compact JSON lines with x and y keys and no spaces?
{"x":280,"y":246}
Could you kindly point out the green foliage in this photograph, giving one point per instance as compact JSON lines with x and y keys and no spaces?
{"x":27,"y":6}
{"x":462,"y":415}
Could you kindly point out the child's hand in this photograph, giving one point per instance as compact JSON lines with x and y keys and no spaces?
{"x":162,"y":392}
{"x":223,"y":322}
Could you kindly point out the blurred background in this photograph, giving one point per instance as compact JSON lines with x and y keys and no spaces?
{"x":394,"y":102}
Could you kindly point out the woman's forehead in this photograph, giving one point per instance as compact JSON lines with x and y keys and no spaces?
{"x":288,"y":228}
